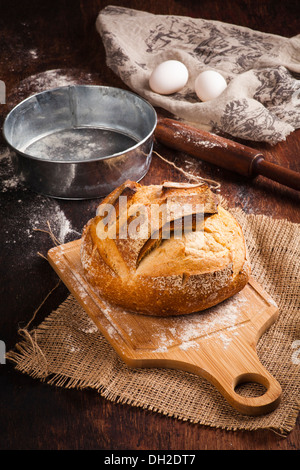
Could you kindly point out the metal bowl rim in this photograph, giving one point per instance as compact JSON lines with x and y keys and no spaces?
{"x":114,"y":155}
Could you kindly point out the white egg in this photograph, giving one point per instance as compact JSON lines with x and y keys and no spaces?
{"x":209,"y":85}
{"x":168,"y":77}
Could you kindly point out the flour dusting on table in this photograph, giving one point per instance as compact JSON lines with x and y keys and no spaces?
{"x":32,"y":211}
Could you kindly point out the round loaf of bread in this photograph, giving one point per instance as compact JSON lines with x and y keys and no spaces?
{"x":185,"y":256}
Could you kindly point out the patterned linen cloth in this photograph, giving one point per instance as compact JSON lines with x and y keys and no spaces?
{"x":262,"y":99}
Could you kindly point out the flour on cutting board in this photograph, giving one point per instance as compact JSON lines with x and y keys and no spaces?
{"x":218,"y":321}
{"x":223,"y":322}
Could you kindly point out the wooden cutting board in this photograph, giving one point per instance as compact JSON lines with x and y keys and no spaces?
{"x":218,"y":344}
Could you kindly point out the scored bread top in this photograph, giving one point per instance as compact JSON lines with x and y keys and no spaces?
{"x":209,"y":240}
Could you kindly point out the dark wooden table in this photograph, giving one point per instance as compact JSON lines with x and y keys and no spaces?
{"x":59,"y":36}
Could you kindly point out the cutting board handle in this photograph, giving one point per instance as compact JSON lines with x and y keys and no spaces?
{"x":256,"y":405}
{"x":229,"y":368}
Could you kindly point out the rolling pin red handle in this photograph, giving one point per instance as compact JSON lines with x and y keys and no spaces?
{"x":276,"y":173}
{"x":222,"y":152}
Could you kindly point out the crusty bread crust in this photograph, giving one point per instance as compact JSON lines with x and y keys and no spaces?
{"x":175,"y":276}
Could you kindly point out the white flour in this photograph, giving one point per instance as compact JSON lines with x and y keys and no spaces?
{"x":8,"y":179}
{"x":32,"y":211}
{"x":51,"y":79}
{"x":58,"y":223}
{"x":218,"y":321}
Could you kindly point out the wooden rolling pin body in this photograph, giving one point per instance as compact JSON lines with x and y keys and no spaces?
{"x":222,"y":152}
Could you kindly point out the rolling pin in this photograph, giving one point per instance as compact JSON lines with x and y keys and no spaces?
{"x":222,"y":152}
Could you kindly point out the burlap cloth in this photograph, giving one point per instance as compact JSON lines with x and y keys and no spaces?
{"x":67,"y":350}
{"x":262,"y":100}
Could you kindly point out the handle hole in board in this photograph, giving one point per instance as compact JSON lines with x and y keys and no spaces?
{"x":248,"y":385}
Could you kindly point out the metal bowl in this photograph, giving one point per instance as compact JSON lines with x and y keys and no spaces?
{"x":80,"y":141}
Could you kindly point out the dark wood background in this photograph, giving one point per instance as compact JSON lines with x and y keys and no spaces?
{"x":36,"y":37}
